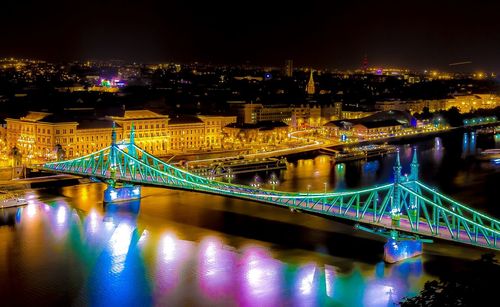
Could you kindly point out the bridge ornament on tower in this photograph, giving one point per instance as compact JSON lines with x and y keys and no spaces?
{"x":404,"y":211}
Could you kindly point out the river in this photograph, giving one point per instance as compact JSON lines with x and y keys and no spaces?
{"x":180,"y":248}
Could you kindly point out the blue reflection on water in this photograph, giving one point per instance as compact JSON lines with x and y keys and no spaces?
{"x":118,"y":278}
{"x":120,"y":271}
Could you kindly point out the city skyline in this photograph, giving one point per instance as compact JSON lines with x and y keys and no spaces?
{"x":330,"y":35}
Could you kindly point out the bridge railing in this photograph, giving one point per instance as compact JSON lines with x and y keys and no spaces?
{"x":454,"y":205}
{"x":427,"y":211}
{"x":456,"y":226}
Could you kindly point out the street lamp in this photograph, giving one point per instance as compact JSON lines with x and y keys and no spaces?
{"x":325,"y":183}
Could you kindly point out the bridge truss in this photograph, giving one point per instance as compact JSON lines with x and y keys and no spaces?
{"x":405,"y":205}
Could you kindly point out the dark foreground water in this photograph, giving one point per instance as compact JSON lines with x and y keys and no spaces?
{"x":177,"y":248}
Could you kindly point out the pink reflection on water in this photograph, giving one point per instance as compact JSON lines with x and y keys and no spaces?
{"x":62,"y":215}
{"x":31,"y":209}
{"x":216,"y":267}
{"x":59,"y":219}
{"x":260,"y":278}
{"x":168,"y":246}
{"x":171,"y":258}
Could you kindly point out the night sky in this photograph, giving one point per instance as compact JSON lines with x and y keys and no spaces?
{"x":322,"y":34}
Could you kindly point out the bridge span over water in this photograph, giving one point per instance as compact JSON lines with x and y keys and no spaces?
{"x":405,"y":206}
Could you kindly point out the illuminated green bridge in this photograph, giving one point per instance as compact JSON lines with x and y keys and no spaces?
{"x":406,"y":206}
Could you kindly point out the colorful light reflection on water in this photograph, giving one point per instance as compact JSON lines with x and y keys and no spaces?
{"x":122,"y":263}
{"x":193,"y":249}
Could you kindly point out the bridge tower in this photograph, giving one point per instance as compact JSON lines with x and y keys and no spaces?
{"x":398,"y":248}
{"x":131,"y":144}
{"x":396,"y":195}
{"x":414,"y":166}
{"x":414,"y":177}
{"x":112,"y":156}
{"x":122,"y":192}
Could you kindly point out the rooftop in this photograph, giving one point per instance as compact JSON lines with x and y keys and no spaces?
{"x":95,"y":124}
{"x":263,"y":125}
{"x":380,"y":123}
{"x":184,"y":119}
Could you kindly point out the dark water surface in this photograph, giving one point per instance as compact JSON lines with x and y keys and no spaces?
{"x":179,"y":248}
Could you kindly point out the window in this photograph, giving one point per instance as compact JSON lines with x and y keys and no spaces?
{"x":70,"y":130}
{"x":58,"y":131}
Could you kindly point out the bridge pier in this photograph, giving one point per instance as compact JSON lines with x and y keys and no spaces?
{"x":398,"y":249}
{"x":126,"y":192}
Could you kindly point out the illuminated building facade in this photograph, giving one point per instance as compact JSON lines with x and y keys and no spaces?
{"x":43,"y":136}
{"x":213,"y":134}
{"x":93,"y":135}
{"x":468,"y":103}
{"x":186,"y":133}
{"x":151,"y":129}
{"x":377,"y":128}
{"x":202,"y":132}
{"x":297,"y":117}
{"x":464,"y":103}
{"x":270,"y":132}
{"x":37,"y":134}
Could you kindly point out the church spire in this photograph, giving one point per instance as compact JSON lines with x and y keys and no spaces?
{"x":311,"y":88}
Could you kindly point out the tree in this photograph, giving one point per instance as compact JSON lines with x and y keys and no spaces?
{"x":16,"y":155}
{"x":426,"y":114}
{"x":60,"y":152}
{"x":473,"y":285}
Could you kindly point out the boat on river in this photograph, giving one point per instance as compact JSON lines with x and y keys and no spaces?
{"x":362,"y":153}
{"x":9,"y":199}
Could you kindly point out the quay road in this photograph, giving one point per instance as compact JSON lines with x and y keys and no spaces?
{"x":36,"y":181}
{"x":322,"y":143}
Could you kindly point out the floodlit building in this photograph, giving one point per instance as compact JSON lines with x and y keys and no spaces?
{"x":151,"y":129}
{"x":371,"y":128}
{"x":296,"y":117}
{"x":43,"y":136}
{"x":270,"y":132}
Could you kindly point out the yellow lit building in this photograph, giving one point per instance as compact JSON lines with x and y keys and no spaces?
{"x":186,"y":133}
{"x":213,"y":134}
{"x":93,"y":135}
{"x":151,"y":129}
{"x":268,"y":132}
{"x":37,"y":134}
{"x":377,"y":128}
{"x":467,"y":103}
